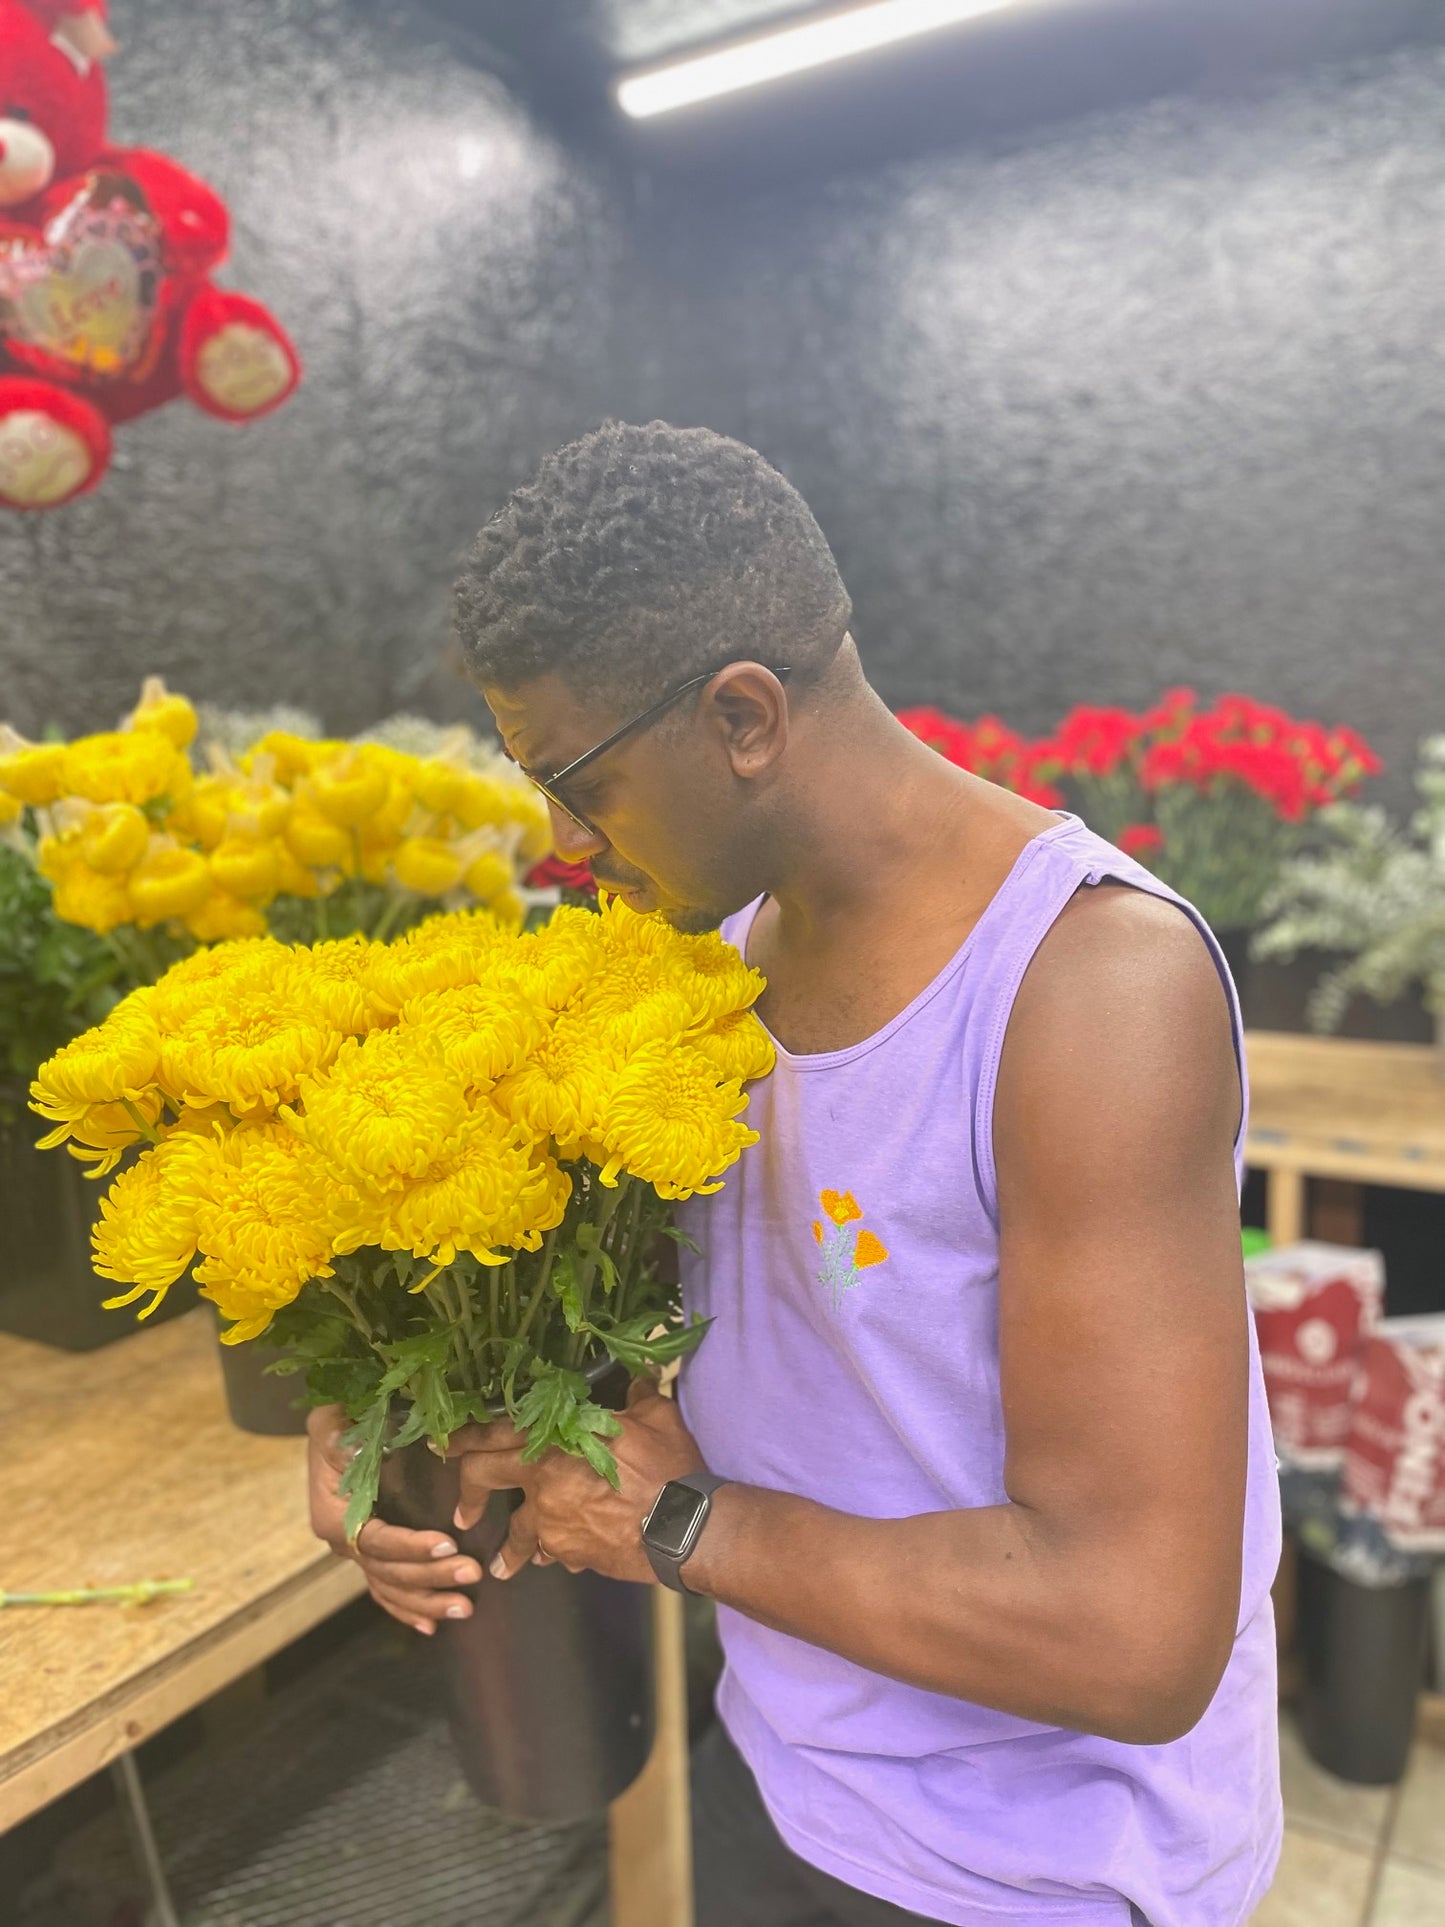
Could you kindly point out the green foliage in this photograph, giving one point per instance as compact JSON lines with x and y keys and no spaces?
{"x":1376,"y":894}
{"x":56,"y":979}
{"x":415,"y":1352}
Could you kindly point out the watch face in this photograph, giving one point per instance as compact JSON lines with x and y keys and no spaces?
{"x":672,"y":1520}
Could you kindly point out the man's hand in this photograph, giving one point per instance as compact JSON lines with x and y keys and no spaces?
{"x":571,"y":1515}
{"x":409,"y":1573}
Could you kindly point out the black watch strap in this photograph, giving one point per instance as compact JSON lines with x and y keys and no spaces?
{"x":667,"y":1564}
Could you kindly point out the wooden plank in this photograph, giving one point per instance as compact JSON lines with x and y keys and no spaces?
{"x":1340,"y":1108}
{"x":124,"y":1465}
{"x":1284,"y":1207}
{"x":651,"y":1831}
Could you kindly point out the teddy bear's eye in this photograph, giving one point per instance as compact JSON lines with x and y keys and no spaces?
{"x":9,"y":112}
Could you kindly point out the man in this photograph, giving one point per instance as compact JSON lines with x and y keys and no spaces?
{"x":997,"y":1521}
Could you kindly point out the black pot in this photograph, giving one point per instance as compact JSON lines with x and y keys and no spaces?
{"x":258,"y":1400}
{"x":551,"y":1678}
{"x":1363,"y":1654}
{"x":48,"y":1291}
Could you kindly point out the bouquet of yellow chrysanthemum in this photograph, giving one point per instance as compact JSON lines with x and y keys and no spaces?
{"x":295,"y":836}
{"x":435,"y":1168}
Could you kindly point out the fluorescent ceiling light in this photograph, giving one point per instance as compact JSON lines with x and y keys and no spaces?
{"x":791,"y":50}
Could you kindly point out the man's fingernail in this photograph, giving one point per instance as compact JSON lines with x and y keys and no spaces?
{"x":498,"y":1567}
{"x":467,"y":1575}
{"x":456,"y":1612}
{"x":445,"y":1550}
{"x":458,"y":1521}
{"x":424,"y":1626}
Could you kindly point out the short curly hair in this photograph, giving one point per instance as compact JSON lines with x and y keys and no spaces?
{"x":638,"y":556}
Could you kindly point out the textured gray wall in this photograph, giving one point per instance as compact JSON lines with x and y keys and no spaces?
{"x":450,"y":275}
{"x":1149,"y":397}
{"x":1155,"y":397}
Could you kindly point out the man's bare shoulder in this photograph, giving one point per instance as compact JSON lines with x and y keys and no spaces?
{"x":1123,"y":1004}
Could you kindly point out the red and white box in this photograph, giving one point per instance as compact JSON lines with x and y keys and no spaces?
{"x":1315,"y":1306}
{"x":1395,"y":1451}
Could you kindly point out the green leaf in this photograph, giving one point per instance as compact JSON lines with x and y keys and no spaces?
{"x":680,"y":1237}
{"x":567,"y":1286}
{"x":542,"y":1411}
{"x":361,"y":1481}
{"x":633,"y":1343}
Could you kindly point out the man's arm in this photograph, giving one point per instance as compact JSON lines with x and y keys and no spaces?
{"x":1103,"y":1594}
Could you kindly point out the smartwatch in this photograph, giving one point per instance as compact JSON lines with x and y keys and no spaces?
{"x":674,"y":1525}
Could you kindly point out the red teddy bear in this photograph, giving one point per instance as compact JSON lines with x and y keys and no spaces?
{"x":106,"y":309}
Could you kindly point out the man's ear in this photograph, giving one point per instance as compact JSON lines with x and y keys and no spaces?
{"x":748,"y":708}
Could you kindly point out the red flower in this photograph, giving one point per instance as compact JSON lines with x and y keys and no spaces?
{"x":554,"y":872}
{"x":1094,"y":742}
{"x":1141,"y":840}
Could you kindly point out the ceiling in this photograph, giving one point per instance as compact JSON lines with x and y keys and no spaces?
{"x":1036,"y":62}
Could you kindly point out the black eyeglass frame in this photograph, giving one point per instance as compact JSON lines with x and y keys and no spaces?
{"x":549,"y":785}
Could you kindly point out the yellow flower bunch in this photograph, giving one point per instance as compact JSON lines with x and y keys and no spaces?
{"x":134,"y":839}
{"x":445,"y":1157}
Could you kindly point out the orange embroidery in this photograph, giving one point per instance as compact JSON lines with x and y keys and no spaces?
{"x":869,"y":1250}
{"x":841,"y":1206}
{"x":845,"y":1253}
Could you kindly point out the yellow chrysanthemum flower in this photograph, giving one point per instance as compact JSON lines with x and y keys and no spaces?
{"x":385,"y":1113}
{"x":339,"y":983}
{"x":488,"y":875}
{"x":146,"y":1233}
{"x":290,"y":756}
{"x":263,"y":1224}
{"x":647,"y":951}
{"x":115,"y":1060}
{"x":553,"y":964}
{"x":442,"y":953}
{"x":480,"y":1031}
{"x":488,"y":1193}
{"x":193,"y":980}
{"x":101,"y":1132}
{"x":222,"y":918}
{"x":33,"y":773}
{"x":125,"y":766}
{"x":113,"y":838}
{"x":313,"y":839}
{"x":564,"y":1089}
{"x":168,"y":882}
{"x":670,"y":1122}
{"x":161,"y":710}
{"x":205,"y":813}
{"x":11,"y":808}
{"x":738,"y":1048}
{"x":348,"y":787}
{"x":247,"y":1037}
{"x":427,"y":866}
{"x":83,"y":896}
{"x":247,"y":867}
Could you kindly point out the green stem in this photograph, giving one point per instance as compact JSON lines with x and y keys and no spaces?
{"x":133,"y":1595}
{"x":358,"y":1316}
{"x":386,"y":922}
{"x":323,"y":920}
{"x":544,"y":1278}
{"x":587,"y":1276}
{"x":148,"y":1131}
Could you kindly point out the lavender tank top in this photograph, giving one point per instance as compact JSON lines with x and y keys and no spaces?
{"x":861,"y":1228}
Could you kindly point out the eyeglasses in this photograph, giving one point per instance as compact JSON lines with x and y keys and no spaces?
{"x":550,"y":786}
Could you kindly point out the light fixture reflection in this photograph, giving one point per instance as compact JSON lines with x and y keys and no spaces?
{"x":791,"y":50}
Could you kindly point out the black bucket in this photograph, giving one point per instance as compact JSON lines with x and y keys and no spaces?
{"x":1363,"y":1655}
{"x":551,"y":1678}
{"x":259,"y":1400}
{"x":48,"y":1291}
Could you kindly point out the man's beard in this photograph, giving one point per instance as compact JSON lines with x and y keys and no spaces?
{"x":693,"y":922}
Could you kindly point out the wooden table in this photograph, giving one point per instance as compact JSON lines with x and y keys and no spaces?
{"x":1329,"y":1107}
{"x":122,"y":1465}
